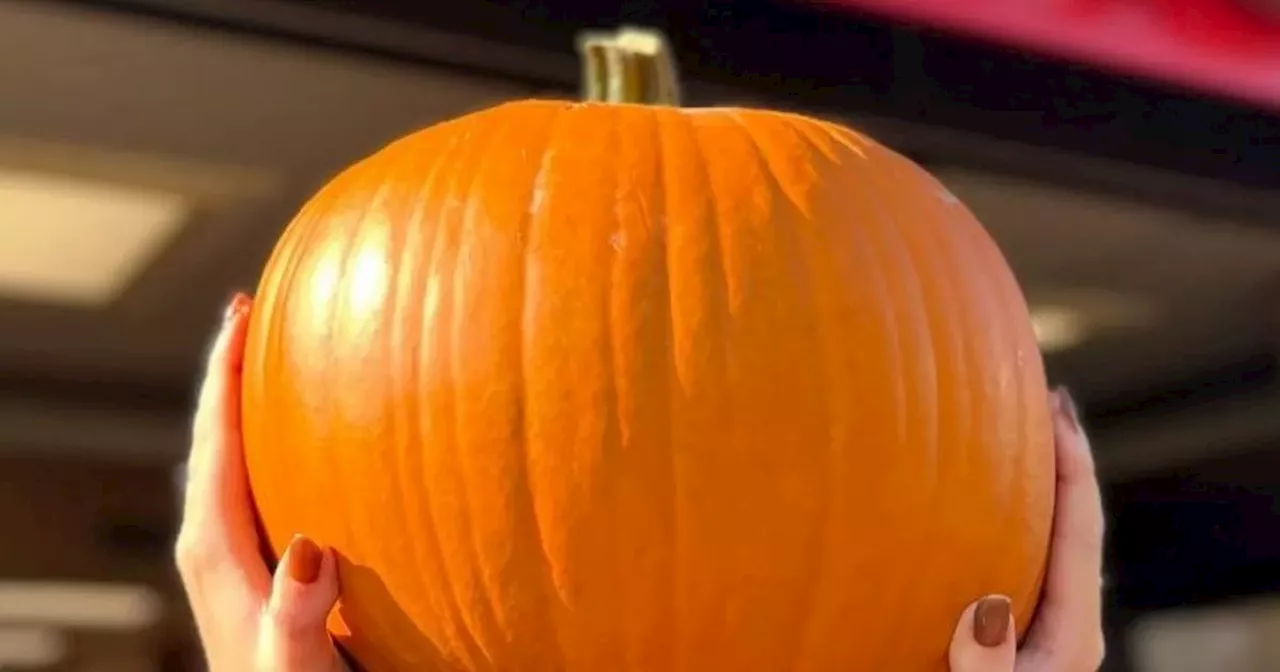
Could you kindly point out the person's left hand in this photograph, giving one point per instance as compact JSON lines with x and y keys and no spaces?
{"x":1066,"y":635}
{"x":248,"y":619}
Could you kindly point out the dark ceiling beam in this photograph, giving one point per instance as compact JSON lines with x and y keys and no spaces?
{"x":320,"y":24}
{"x":53,"y":428}
{"x":1185,"y":538}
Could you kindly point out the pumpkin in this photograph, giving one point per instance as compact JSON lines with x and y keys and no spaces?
{"x":619,"y":386}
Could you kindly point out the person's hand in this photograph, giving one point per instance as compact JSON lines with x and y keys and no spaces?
{"x":248,"y":619}
{"x":1066,"y":635}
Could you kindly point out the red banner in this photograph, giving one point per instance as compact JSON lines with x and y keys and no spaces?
{"x":1225,"y":47}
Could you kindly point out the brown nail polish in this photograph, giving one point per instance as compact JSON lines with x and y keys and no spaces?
{"x":238,"y":306}
{"x":304,"y":558}
{"x":991,"y":622}
{"x":1066,"y":406}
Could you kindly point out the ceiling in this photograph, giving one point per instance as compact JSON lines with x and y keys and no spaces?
{"x":247,"y":129}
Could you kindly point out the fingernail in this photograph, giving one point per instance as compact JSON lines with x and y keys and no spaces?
{"x":1066,"y":407}
{"x":304,"y":561}
{"x":239,"y":305}
{"x":991,"y":622}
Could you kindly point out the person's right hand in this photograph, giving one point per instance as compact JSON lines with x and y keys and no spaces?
{"x":1066,"y":635}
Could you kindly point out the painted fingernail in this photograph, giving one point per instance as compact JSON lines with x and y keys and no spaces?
{"x":238,"y":305}
{"x":1066,"y":407}
{"x":991,"y":622}
{"x":304,"y":559}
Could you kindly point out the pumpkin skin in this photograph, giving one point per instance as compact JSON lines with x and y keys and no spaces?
{"x":582,"y":387}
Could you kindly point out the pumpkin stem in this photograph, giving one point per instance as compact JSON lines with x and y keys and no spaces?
{"x":632,"y":65}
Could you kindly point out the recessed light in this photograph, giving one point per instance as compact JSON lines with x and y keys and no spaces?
{"x":31,"y":647}
{"x":79,"y":241}
{"x":85,"y":606}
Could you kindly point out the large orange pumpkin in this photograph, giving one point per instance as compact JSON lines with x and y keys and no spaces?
{"x":607,"y":387}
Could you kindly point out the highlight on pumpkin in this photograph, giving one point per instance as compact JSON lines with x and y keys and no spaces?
{"x":631,"y":65}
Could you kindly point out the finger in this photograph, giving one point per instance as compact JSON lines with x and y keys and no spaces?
{"x":303,"y":592}
{"x":217,"y":543}
{"x":1069,"y":619}
{"x":984,"y":641}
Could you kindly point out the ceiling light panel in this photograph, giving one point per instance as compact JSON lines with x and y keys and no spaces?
{"x":84,"y":606}
{"x":24,"y":647}
{"x":76,"y":241}
{"x":1058,"y":328}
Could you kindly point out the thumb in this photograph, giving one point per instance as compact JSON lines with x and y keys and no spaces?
{"x":984,"y":641}
{"x":293,"y":637}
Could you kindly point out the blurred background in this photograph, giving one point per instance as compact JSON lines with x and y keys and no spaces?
{"x":1125,"y":153}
